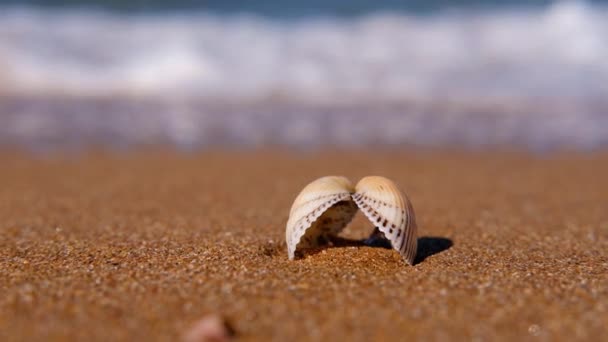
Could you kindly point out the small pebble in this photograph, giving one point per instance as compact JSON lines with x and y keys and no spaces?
{"x":211,"y":328}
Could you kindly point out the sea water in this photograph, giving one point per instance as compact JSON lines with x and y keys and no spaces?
{"x":243,"y":73}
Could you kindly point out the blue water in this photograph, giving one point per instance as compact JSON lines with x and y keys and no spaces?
{"x":290,"y":9}
{"x":193,"y":73}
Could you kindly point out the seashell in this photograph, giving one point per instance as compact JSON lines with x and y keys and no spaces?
{"x":325,"y":206}
{"x":322,"y":209}
{"x":391,"y":211}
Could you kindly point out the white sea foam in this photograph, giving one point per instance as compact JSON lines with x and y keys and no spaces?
{"x":560,"y":50}
{"x":518,"y":75}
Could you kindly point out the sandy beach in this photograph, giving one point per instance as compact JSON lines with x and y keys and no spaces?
{"x":139,"y":245}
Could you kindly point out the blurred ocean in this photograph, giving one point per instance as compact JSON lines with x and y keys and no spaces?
{"x":479,"y":74}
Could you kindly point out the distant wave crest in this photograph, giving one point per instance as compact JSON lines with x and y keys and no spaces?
{"x":557,"y":51}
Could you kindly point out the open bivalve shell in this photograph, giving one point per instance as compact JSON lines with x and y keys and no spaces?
{"x":325,"y":206}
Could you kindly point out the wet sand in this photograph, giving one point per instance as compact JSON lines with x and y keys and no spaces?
{"x":140,"y":245}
